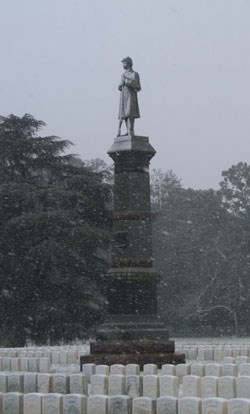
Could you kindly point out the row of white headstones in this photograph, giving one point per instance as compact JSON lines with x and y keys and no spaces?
{"x":17,"y":403}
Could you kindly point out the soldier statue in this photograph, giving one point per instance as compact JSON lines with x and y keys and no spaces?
{"x":129,"y":86}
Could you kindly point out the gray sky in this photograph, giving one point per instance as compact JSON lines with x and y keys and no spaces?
{"x":60,"y":61}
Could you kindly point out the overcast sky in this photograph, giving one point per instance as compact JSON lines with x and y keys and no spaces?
{"x":61,"y":62}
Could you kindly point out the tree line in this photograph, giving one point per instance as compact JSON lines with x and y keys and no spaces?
{"x":55,"y":232}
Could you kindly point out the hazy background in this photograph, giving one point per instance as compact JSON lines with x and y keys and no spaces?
{"x":60,"y":61}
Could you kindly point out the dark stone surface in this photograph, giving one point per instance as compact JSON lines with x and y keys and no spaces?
{"x":133,"y":346}
{"x":158,"y":358}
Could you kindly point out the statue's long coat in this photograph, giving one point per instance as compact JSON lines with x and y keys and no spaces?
{"x":129,"y":107}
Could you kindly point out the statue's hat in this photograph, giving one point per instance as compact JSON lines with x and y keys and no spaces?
{"x":129,"y":60}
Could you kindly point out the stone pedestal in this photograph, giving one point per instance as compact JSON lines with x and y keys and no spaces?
{"x":131,"y":280}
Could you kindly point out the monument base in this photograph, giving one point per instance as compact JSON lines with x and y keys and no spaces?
{"x":139,"y":352}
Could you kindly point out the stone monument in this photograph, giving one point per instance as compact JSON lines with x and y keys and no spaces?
{"x":132,"y":331}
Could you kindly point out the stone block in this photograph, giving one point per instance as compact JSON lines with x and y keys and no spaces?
{"x":144,"y":405}
{"x":214,"y":405}
{"x":15,"y":364}
{"x":52,"y":404}
{"x":227,"y":387}
{"x":213,"y":370}
{"x":13,"y":403}
{"x":44,"y":365}
{"x":33,"y":364}
{"x":198,"y":370}
{"x":15,"y":382}
{"x":29,"y":382}
{"x":168,"y":369}
{"x":44,"y":383}
{"x":102,"y":370}
{"x":169,"y":386}
{"x":99,"y":384}
{"x":117,"y":369}
{"x":230,"y":370}
{"x":98,"y":404}
{"x":32,"y":403}
{"x":88,"y":370}
{"x":243,"y":387}
{"x":60,"y":383}
{"x":117,"y":384}
{"x":120,"y":404}
{"x":78,"y":384}
{"x":150,"y":369}
{"x":209,"y":387}
{"x":3,"y":382}
{"x":189,"y":405}
{"x":151,"y":386}
{"x":238,"y":406}
{"x":132,"y":369}
{"x":75,"y":404}
{"x":167,"y":405}
{"x":191,"y":386}
{"x":134,"y":386}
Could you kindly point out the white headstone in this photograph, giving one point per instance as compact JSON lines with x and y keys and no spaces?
{"x":209,"y":354}
{"x":209,"y":387}
{"x":198,"y":369}
{"x":229,"y":370}
{"x":102,"y":370}
{"x":32,"y":403}
{"x":98,"y":404}
{"x":238,"y":406}
{"x":63,"y":357}
{"x":30,"y":354}
{"x":228,"y":352}
{"x":74,"y":404}
{"x":169,"y":386}
{"x":71,"y":358}
{"x":78,"y":384}
{"x":134,"y":385}
{"x":236,"y":351}
{"x":3,"y":382}
{"x":33,"y":364}
{"x":13,"y":403}
{"x":214,"y":405}
{"x":15,"y":364}
{"x":241,"y":360}
{"x":132,"y":369}
{"x":117,"y":369}
{"x":15,"y":382}
{"x":167,"y":405}
{"x":99,"y":384}
{"x":229,"y":360}
{"x":191,"y":386}
{"x":244,"y":369}
{"x":227,"y":387}
{"x":189,"y":405}
{"x":244,"y":351}
{"x":24,"y":364}
{"x":182,"y":370}
{"x":55,"y":357}
{"x":151,"y":386}
{"x":218,"y":353}
{"x":29,"y":382}
{"x":192,"y":354}
{"x":243,"y":387}
{"x":117,"y":384}
{"x":150,"y":369}
{"x":44,"y":365}
{"x":168,"y":369}
{"x":88,"y":370}
{"x":60,"y":383}
{"x":44,"y":383}
{"x":52,"y":404}
{"x":144,"y":405}
{"x":6,"y":363}
{"x":120,"y":404}
{"x":213,"y":370}
{"x":201,"y":353}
